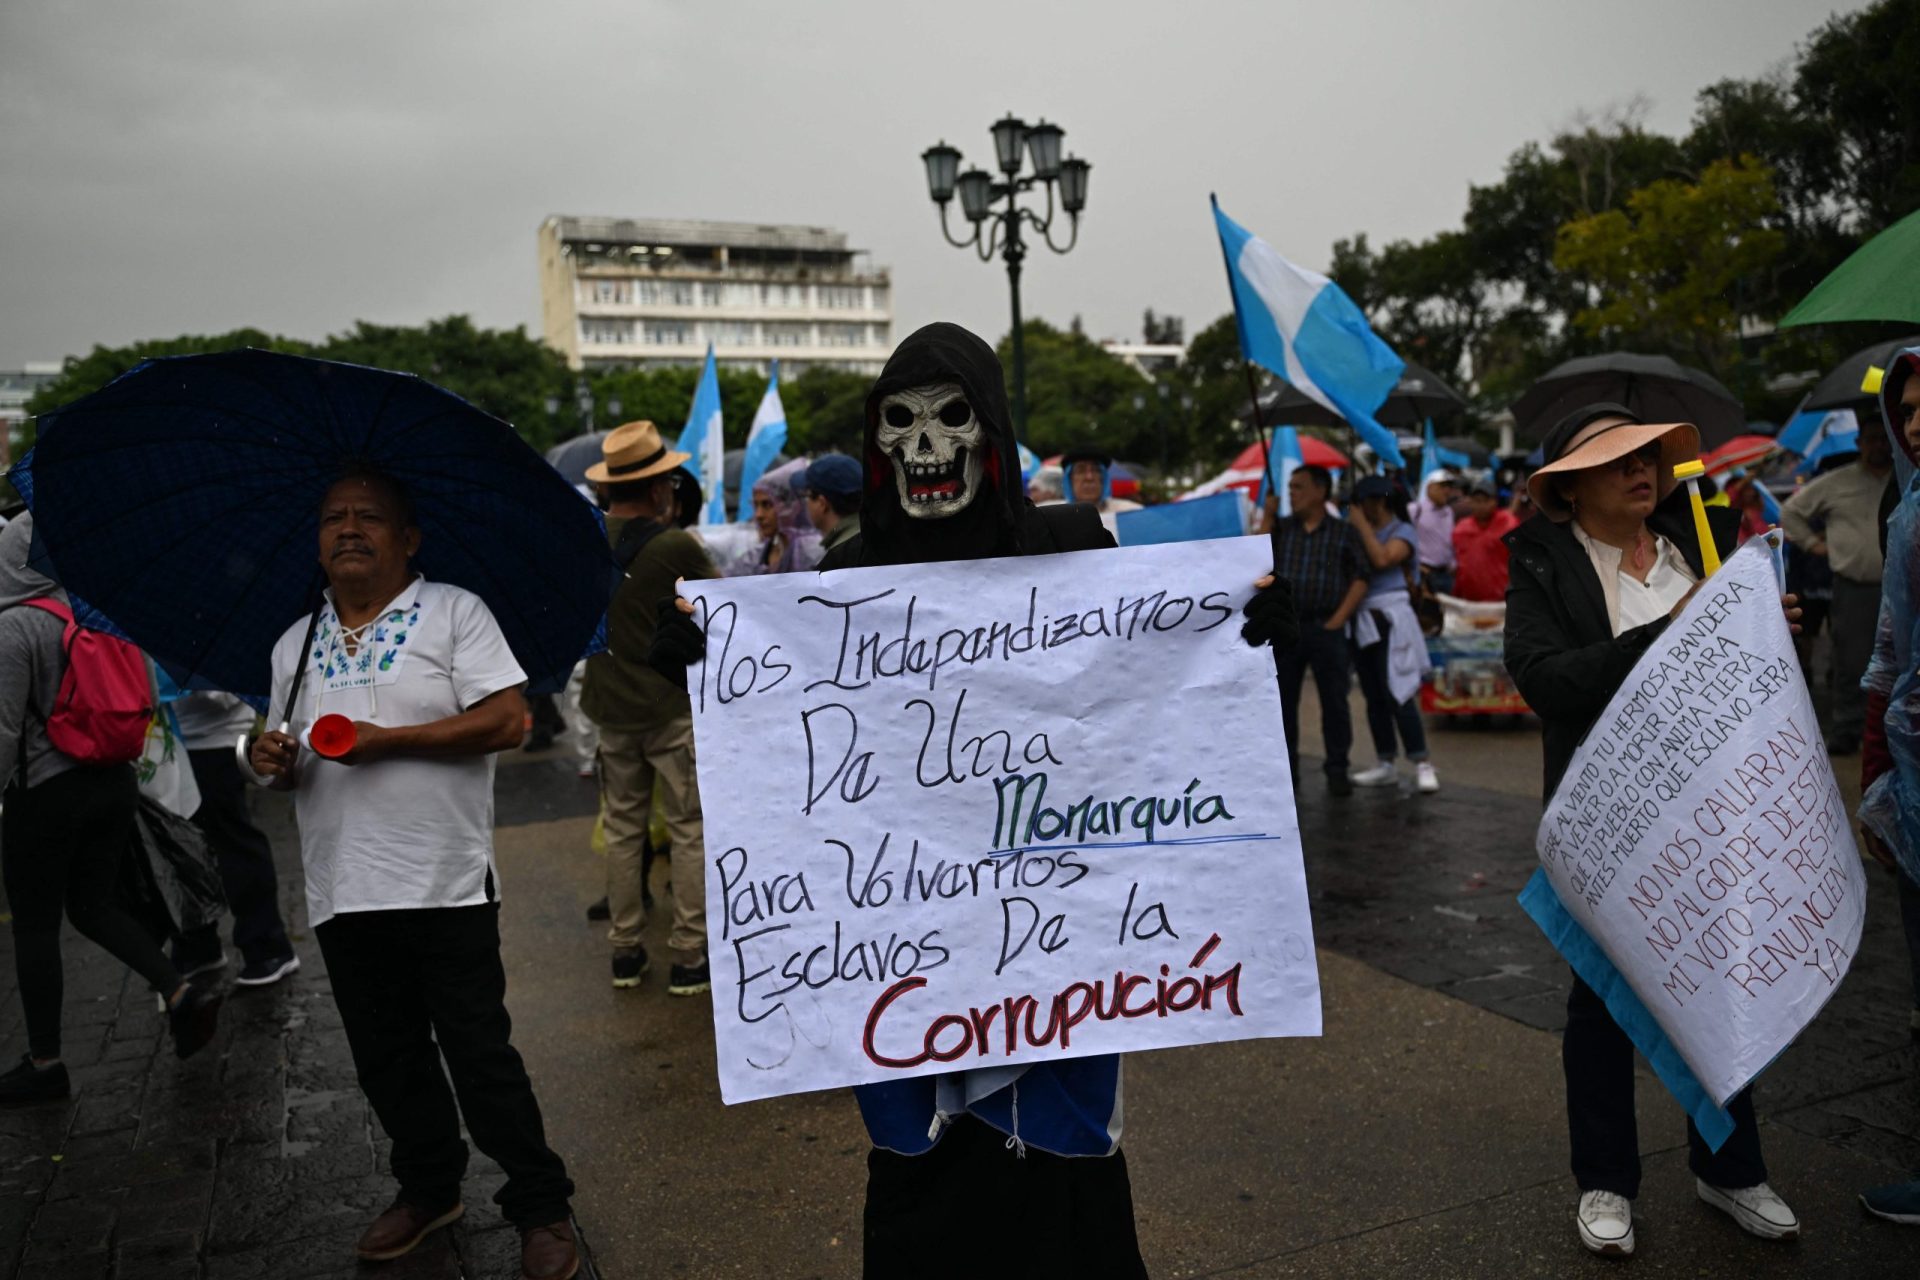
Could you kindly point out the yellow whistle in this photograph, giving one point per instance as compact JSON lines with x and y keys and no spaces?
{"x":1691,"y":473}
{"x":1875,"y":378}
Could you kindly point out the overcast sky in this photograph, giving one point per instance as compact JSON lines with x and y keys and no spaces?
{"x":192,"y":166}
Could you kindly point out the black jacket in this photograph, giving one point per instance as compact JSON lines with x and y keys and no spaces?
{"x":1000,"y":520}
{"x":1560,"y":646}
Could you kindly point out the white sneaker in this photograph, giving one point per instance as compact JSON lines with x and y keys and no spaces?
{"x":1757,"y":1209}
{"x":1381,"y":775}
{"x":1606,"y":1223}
{"x":1424,"y":778}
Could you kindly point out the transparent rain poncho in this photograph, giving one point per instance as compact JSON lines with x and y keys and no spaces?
{"x":1891,"y":806}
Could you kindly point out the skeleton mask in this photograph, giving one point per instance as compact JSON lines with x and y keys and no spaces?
{"x":935,"y":441}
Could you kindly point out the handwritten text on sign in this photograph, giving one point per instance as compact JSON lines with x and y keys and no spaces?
{"x":1700,"y":839}
{"x":992,"y":812}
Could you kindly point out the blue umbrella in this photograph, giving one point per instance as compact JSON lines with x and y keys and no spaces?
{"x":181,"y":501}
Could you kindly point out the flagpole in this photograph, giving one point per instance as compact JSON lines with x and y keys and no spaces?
{"x":1253,"y":386}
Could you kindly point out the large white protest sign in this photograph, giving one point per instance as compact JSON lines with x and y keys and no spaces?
{"x":1700,"y":839}
{"x":994,"y":812}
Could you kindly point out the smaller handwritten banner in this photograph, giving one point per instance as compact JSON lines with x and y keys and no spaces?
{"x":1699,"y":837}
{"x":994,"y":812}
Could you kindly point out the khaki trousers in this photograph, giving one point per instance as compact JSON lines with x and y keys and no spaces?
{"x":629,"y":763}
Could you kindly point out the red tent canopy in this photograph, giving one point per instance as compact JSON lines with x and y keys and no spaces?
{"x":1315,"y":453}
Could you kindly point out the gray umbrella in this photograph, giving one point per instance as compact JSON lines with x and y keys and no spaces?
{"x":571,"y":458}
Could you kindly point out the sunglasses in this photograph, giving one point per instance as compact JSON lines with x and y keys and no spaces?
{"x":1647,"y":455}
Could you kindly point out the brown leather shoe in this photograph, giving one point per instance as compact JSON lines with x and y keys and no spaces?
{"x":399,"y":1230}
{"x":549,"y":1253}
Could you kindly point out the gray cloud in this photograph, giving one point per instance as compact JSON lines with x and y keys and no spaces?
{"x":193,"y":167}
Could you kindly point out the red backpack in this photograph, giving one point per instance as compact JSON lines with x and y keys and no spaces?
{"x":105,"y":703}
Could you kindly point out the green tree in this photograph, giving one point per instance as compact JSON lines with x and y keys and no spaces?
{"x":502,"y":371}
{"x":1078,"y":393}
{"x":826,"y":411}
{"x":1670,"y":270}
{"x":83,"y":375}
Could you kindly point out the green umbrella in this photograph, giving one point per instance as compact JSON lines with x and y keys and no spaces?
{"x":1881,"y":281}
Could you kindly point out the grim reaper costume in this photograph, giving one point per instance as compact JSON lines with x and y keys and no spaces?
{"x":1009,"y":1171}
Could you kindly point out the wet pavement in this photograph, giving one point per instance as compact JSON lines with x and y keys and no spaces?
{"x":1423,"y":1135}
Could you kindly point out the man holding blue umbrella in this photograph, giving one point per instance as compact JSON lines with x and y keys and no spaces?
{"x":396,"y":834}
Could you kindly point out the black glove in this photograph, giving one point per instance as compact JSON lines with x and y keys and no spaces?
{"x":1270,"y":617}
{"x":678,"y":643}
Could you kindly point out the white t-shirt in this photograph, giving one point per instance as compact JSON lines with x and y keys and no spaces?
{"x":397,"y":833}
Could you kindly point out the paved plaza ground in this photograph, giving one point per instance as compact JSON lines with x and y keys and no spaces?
{"x":1423,"y":1135}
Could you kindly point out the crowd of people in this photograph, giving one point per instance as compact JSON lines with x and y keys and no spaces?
{"x":1592,"y":555}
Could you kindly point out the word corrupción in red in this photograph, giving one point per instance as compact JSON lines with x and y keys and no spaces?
{"x":973,"y":1031}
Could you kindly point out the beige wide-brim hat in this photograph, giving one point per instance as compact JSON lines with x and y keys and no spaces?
{"x":1603,"y":439}
{"x":633,"y":451}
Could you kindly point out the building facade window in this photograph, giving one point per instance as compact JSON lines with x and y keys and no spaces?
{"x":843,"y":335}
{"x":782,"y":333}
{"x":666,"y":333}
{"x":732,"y":333}
{"x":842,"y":297}
{"x":786,"y":296}
{"x":664,"y":293}
{"x":606,"y":332}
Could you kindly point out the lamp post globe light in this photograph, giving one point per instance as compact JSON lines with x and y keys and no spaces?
{"x":991,"y":206}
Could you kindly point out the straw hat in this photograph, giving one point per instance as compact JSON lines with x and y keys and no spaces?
{"x":633,"y":452}
{"x":1598,"y":434}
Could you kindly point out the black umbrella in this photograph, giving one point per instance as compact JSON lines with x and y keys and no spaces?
{"x":1418,"y":395}
{"x":1287,"y":405}
{"x":1840,"y":389}
{"x":1657,"y":388}
{"x":1477,"y":454}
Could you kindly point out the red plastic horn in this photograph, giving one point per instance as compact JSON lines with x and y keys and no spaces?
{"x":332,"y":736}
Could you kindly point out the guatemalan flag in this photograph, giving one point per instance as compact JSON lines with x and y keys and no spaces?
{"x":765,"y":440}
{"x":1817,"y":433}
{"x":1301,"y":326}
{"x":1282,"y":459}
{"x":703,"y":439}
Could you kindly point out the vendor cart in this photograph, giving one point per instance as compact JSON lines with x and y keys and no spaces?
{"x":1469,"y":675}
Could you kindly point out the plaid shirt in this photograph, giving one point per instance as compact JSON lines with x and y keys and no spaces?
{"x":1323,"y":564}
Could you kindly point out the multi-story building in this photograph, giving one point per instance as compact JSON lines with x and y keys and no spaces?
{"x":16,"y":388}
{"x":632,"y":293}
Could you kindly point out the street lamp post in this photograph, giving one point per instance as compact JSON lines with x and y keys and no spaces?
{"x":999,"y":229}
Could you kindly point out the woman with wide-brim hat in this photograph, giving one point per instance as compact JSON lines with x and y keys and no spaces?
{"x":1610,"y":559}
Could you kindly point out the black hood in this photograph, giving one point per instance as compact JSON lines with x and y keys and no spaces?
{"x":990,"y":524}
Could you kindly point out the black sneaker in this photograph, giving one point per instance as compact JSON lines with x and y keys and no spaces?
{"x":601,"y":910}
{"x":629,"y":966}
{"x":194,"y":1019}
{"x":689,"y":979}
{"x":264,"y":973}
{"x":27,"y":1084}
{"x":1339,"y":785}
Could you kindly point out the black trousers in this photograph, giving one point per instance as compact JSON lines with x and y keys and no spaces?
{"x":417,"y":986}
{"x":1856,"y":618}
{"x":245,"y":858}
{"x":971,"y":1208}
{"x":1384,"y":715}
{"x":1598,"y":1059}
{"x":64,"y":844}
{"x":1326,"y":654}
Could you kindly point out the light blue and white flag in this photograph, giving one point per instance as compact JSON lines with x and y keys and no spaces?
{"x":1299,"y":325}
{"x":1818,"y":433}
{"x":1283,"y":456}
{"x":703,"y":438}
{"x":1433,"y":457}
{"x":765,"y":440}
